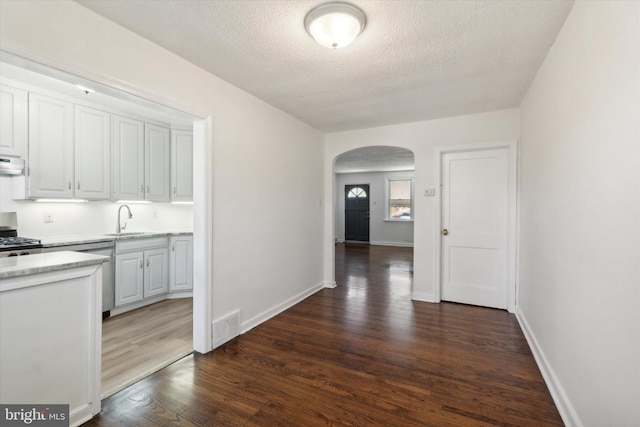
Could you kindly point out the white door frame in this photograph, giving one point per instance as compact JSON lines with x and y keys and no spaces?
{"x":202,"y":188}
{"x":512,"y":147}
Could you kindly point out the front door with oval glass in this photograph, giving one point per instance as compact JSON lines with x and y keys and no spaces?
{"x":356,"y":212}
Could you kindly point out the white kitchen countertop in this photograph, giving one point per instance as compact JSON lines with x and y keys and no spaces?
{"x":50,"y":242}
{"x":41,"y":263}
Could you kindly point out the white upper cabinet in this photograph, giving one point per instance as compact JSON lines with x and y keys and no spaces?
{"x":69,"y":150}
{"x":128,"y":159}
{"x":140,"y":160}
{"x":50,"y":147}
{"x":14,"y":122}
{"x":181,"y":166}
{"x":157,"y":163}
{"x":92,"y":153}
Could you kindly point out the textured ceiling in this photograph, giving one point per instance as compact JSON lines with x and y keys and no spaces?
{"x":416,"y":60}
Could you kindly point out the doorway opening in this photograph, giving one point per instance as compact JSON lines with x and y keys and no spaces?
{"x":187,"y":308}
{"x":373,"y":199}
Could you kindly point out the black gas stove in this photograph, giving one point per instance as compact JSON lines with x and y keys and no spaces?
{"x":10,"y":243}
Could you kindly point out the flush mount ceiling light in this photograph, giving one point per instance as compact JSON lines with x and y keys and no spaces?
{"x":335,"y":25}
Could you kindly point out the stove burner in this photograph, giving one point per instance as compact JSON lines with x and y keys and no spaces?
{"x":12,"y":245}
{"x":14,"y":242}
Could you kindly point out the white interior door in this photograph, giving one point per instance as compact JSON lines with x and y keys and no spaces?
{"x":475,"y":197}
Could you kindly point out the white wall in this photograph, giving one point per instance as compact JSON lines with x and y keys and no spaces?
{"x":262,"y":159}
{"x":580,"y":215}
{"x":421,"y":138}
{"x":381,"y":232}
{"x":99,"y":217}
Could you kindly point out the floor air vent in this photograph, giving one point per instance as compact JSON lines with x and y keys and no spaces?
{"x":226,"y":328}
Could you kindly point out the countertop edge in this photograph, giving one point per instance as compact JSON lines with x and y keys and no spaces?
{"x":15,"y":267}
{"x":79,"y":240}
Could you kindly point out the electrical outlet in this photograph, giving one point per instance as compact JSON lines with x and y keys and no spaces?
{"x":48,"y":217}
{"x":430,"y":192}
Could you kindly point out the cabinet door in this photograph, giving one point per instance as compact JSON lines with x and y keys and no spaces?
{"x":181,"y":264}
{"x":92,"y":154}
{"x":50,"y":147}
{"x":128,"y":159}
{"x":156,"y":166}
{"x":181,"y":166}
{"x":156,"y":277}
{"x":13,"y":121}
{"x":129,"y":277}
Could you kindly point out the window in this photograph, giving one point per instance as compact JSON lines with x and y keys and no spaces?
{"x":400,"y":199}
{"x":357,"y":192}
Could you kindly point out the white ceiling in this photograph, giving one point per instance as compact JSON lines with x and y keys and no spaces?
{"x":34,"y":74}
{"x":416,"y":60}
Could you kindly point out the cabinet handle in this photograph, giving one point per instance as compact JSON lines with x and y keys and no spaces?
{"x":78,"y":185}
{"x":173,"y":248}
{"x":141,"y":264}
{"x":174,"y":191}
{"x":148,"y":189}
{"x":142,"y":188}
{"x":69,"y":185}
{"x":147,"y":262}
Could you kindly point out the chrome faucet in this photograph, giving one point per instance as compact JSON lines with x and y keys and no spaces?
{"x":118,"y":228}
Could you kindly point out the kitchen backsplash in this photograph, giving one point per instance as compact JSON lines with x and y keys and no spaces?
{"x":98,"y":217}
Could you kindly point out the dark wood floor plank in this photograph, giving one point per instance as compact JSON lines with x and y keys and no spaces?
{"x":362,"y":354}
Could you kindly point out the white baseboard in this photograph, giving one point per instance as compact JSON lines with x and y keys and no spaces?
{"x":180,"y":294}
{"x":268,"y":314}
{"x":423,"y":296}
{"x":330,"y":284}
{"x":80,"y":415}
{"x":138,"y":304}
{"x":377,"y":243}
{"x":396,"y":244}
{"x":558,"y":394}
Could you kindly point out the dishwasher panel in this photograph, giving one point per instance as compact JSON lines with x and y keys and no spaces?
{"x":97,"y":248}
{"x":108,"y":285}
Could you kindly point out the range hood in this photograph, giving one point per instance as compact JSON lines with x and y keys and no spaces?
{"x":11,"y":166}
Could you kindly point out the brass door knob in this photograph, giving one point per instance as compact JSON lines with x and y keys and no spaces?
{"x":445,"y":232}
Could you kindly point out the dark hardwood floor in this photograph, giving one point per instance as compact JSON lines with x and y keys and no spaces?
{"x":361,"y":354}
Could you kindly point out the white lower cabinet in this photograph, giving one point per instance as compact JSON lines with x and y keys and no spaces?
{"x":181,"y":264}
{"x":129,"y":277}
{"x":142,"y":269}
{"x":50,"y":330}
{"x":156,"y":277}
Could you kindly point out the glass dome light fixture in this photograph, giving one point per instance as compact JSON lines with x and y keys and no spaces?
{"x":335,"y":25}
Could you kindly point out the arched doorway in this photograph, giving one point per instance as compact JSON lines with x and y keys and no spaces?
{"x":373,"y":184}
